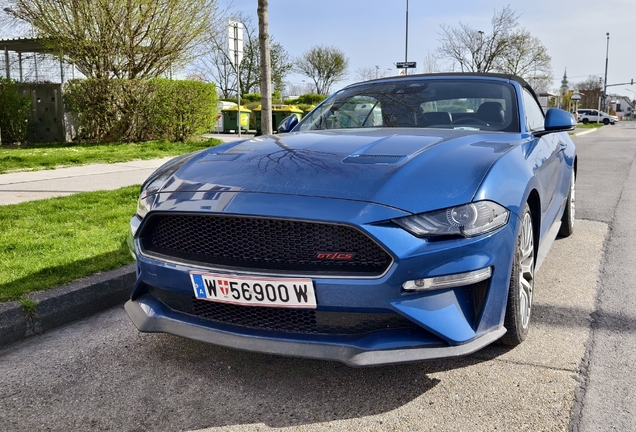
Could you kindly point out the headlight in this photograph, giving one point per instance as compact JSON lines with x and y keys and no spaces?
{"x":467,"y":220}
{"x":156,"y":181}
{"x":143,"y":204}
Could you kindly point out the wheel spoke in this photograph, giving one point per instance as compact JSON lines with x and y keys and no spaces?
{"x":525,"y":302}
{"x":526,"y":270}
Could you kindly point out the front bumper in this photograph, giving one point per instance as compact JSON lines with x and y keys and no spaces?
{"x":440,"y":323}
{"x":149,"y":315}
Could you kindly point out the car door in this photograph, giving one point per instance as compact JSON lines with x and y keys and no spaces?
{"x":594,"y":116}
{"x":549,"y":163}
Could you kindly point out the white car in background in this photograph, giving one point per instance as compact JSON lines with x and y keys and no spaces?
{"x":585,"y":115}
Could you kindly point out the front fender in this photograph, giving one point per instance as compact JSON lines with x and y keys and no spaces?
{"x":511,"y":180}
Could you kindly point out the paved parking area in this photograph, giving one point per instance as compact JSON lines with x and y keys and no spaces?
{"x":101,"y":373}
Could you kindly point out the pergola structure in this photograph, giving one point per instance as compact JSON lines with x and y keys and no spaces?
{"x":22,"y":46}
{"x":47,"y":122}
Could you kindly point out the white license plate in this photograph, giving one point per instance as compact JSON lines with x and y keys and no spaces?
{"x":241,"y":290}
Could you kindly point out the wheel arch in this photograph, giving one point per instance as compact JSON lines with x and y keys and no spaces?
{"x":575,"y":165}
{"x":534,"y":202}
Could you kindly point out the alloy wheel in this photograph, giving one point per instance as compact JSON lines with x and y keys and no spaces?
{"x":526,"y":270}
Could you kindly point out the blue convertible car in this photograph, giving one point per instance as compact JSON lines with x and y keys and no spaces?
{"x":403,"y":219}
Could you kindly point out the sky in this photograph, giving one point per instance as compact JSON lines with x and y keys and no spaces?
{"x":373,"y":32}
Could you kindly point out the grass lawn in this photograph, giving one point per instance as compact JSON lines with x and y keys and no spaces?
{"x":48,"y":156}
{"x":46,"y":243}
{"x":50,"y":242}
{"x":589,"y":125}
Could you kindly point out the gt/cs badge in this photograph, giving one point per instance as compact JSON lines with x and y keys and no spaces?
{"x":340,"y":256}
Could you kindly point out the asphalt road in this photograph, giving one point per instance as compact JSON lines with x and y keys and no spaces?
{"x":607,"y":193}
{"x":573,"y":372}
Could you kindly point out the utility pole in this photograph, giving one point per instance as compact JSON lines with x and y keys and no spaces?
{"x":605,"y":82}
{"x":406,"y":49}
{"x":236,"y":57}
{"x":266,"y":69}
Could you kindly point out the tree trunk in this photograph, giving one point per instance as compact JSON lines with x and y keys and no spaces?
{"x":266,"y":71}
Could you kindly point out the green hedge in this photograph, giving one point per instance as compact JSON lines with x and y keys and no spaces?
{"x":140,"y":110}
{"x":307,"y":99}
{"x":14,"y":113}
{"x":248,"y":98}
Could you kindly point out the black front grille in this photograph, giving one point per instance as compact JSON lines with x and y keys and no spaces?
{"x":299,"y":320}
{"x":262,"y":244}
{"x":306,"y":321}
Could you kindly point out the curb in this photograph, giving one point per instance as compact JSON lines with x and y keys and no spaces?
{"x":57,"y":306}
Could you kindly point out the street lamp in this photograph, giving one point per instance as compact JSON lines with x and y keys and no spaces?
{"x":605,"y":82}
{"x":481,"y":45}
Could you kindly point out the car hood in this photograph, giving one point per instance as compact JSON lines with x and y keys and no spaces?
{"x":414,"y":170}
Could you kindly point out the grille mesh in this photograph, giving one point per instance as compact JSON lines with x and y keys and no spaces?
{"x":305,"y":321}
{"x":299,"y":320}
{"x":258,"y":243}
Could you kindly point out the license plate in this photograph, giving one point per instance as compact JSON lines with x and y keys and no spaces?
{"x":241,"y":290}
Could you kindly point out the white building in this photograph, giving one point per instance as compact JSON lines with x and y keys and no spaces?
{"x":622,"y":105}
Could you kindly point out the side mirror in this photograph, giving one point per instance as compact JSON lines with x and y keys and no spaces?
{"x":287,"y":124}
{"x":557,"y":120}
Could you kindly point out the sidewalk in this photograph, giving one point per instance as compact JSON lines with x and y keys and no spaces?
{"x":87,"y":296}
{"x":33,"y":185}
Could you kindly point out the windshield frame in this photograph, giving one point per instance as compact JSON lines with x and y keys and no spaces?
{"x":402,"y":102}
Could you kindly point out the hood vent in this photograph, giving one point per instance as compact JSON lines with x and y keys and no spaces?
{"x":375,"y":159}
{"x":222,"y":157}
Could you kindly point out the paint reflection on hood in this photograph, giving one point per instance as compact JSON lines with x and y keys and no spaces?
{"x":392,"y":167}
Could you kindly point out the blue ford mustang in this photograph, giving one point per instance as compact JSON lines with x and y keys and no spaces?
{"x":403,"y":219}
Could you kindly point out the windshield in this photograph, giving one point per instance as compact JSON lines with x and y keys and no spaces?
{"x":422,"y":103}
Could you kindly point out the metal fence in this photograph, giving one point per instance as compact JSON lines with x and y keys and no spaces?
{"x":35,"y":67}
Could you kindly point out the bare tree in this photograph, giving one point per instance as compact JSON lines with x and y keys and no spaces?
{"x":296,"y":89}
{"x":591,"y":90}
{"x":324,"y":65}
{"x":430,"y":64}
{"x":506,"y":49}
{"x":216,"y":66}
{"x":121,"y":38}
{"x":474,"y":50}
{"x":527,"y":57}
{"x":266,"y":72}
{"x":369,"y":73}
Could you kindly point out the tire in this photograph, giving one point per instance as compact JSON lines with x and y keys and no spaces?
{"x":585,"y":121}
{"x":520,"y":292}
{"x":567,"y":220}
{"x":605,"y":122}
